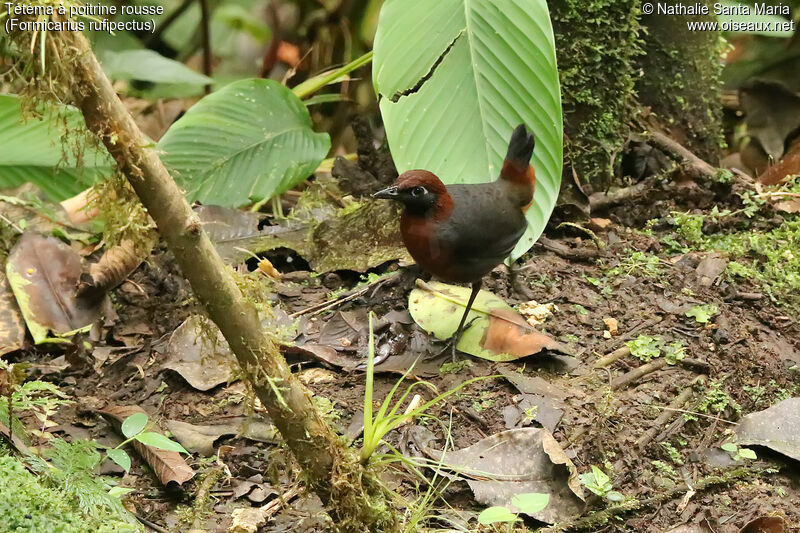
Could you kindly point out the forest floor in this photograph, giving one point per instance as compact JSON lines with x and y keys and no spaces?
{"x":629,"y":284}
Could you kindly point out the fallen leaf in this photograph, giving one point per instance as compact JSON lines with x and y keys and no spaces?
{"x":169,"y":467}
{"x":765,"y":524}
{"x":772,"y":113}
{"x":789,"y":165}
{"x":236,"y":234}
{"x":776,"y":428}
{"x":200,"y":354}
{"x":515,"y":462}
{"x":44,"y":273}
{"x":498,"y":333}
{"x":200,"y":438}
{"x":710,"y":268}
{"x":12,"y":325}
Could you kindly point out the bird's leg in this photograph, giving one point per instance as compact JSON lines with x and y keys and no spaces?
{"x":476,"y":287}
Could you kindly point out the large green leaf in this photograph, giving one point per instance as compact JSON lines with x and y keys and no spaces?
{"x":451,"y":99}
{"x":147,"y":65}
{"x":50,"y":152}
{"x":246,"y":142}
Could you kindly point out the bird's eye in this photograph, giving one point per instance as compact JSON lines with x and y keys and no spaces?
{"x":418,"y":191}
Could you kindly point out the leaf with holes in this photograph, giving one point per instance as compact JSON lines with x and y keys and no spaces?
{"x":49,"y":152}
{"x":245,"y":143}
{"x":43,"y":273}
{"x":450,"y":101}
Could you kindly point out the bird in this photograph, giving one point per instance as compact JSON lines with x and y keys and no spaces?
{"x":459,"y":233}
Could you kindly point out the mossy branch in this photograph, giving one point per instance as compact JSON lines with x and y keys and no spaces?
{"x":331,"y":470}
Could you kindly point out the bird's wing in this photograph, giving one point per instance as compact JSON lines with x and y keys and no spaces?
{"x":485,"y":223}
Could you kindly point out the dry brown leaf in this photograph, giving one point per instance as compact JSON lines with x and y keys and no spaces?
{"x":44,"y":274}
{"x":766,"y":524}
{"x":169,"y":467}
{"x":508,"y":333}
{"x":12,"y":325}
{"x":200,"y":354}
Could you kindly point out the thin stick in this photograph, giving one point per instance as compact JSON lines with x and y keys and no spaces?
{"x":205,"y":35}
{"x":151,"y":525}
{"x":638,"y":373}
{"x":612,"y":358}
{"x":665,"y":417}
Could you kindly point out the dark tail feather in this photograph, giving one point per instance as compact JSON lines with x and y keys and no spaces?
{"x":520,"y":148}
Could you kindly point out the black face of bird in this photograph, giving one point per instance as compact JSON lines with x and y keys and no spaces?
{"x":417,"y":199}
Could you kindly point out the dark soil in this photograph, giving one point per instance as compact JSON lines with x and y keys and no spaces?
{"x":746,"y":350}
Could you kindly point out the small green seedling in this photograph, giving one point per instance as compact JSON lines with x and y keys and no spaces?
{"x":703,"y":313}
{"x":645,"y":348}
{"x":133,"y":428}
{"x":600,"y":484}
{"x":737,"y":453}
{"x":388,"y":417}
{"x":529,"y":503}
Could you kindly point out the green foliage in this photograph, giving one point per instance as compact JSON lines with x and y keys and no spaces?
{"x":703,"y":313}
{"x":245,"y":143}
{"x":597,"y":42}
{"x":664,"y":468}
{"x":600,"y":484}
{"x":715,"y":400}
{"x":739,"y":454}
{"x":768,"y":258}
{"x":134,"y":428}
{"x":496,"y":514}
{"x":637,"y":264}
{"x":529,"y":503}
{"x":482,"y":69}
{"x":49,"y":150}
{"x":674,"y":455}
{"x":645,"y":348}
{"x":455,"y":367}
{"x":147,"y":65}
{"x":388,"y":417}
{"x":36,"y":506}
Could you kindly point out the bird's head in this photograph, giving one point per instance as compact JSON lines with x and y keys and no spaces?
{"x":421,"y":192}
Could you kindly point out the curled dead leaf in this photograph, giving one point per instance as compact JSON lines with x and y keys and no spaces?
{"x":169,"y":467}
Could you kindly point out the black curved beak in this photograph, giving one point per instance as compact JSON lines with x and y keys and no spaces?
{"x":389,"y":193}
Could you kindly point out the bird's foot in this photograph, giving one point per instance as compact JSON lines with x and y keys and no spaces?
{"x":452,"y":342}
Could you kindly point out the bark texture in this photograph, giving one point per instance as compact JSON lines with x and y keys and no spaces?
{"x":331,"y":469}
{"x":681,"y":81}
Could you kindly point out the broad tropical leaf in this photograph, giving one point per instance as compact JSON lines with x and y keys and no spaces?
{"x":450,"y":101}
{"x":49,"y":152}
{"x":244,"y":143}
{"x":147,"y":65}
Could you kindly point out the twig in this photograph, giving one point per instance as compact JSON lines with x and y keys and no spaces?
{"x":665,"y":417}
{"x":639,"y":372}
{"x":566,"y":252}
{"x":205,"y":35}
{"x":612,"y":358}
{"x":698,"y":167}
{"x":598,"y":518}
{"x":342,"y":298}
{"x":151,"y":525}
{"x":695,"y":413}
